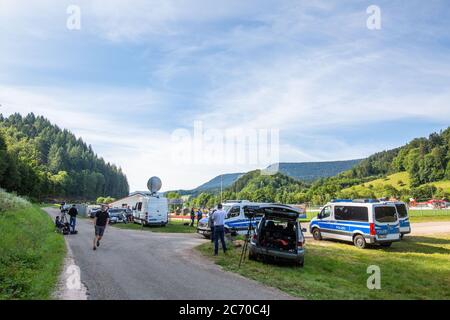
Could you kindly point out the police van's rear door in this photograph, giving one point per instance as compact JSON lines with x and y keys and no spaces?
{"x":403,"y":217}
{"x":386,"y":222}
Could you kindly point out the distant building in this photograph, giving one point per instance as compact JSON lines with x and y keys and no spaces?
{"x":130,"y":200}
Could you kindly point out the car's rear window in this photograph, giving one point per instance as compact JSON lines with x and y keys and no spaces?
{"x":385,"y":214}
{"x":116,"y":210}
{"x":401,"y":210}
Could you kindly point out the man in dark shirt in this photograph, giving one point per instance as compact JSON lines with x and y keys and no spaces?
{"x":192,"y":217}
{"x":100,"y":221}
{"x":73,"y":212}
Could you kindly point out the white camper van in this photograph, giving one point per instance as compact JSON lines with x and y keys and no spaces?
{"x":151,"y":210}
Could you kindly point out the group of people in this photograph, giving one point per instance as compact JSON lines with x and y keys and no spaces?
{"x":61,"y":222}
{"x":196,"y":214}
{"x":101,"y":220}
{"x":216,"y":220}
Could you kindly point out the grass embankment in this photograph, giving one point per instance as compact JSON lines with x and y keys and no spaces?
{"x":415,"y":268}
{"x":31,"y":253}
{"x":173,"y":226}
{"x":399,"y":181}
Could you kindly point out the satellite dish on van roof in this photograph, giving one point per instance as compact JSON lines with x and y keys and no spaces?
{"x":154,"y":184}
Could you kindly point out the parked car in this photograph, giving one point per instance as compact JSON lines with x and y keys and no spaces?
{"x":278,"y":235}
{"x":93,"y":210}
{"x":236,"y":220}
{"x":117,"y":215}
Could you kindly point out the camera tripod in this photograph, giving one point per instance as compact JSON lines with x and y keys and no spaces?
{"x":247,"y":239}
{"x":63,"y":218}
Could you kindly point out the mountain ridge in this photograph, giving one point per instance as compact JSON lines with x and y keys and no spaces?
{"x":301,"y":171}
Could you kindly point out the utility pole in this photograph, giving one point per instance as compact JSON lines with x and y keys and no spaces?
{"x":221,"y":187}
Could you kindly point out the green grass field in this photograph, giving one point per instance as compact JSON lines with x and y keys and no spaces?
{"x":429,"y":215}
{"x":415,"y":268}
{"x":31,"y":254}
{"x":174,"y":226}
{"x":399,"y":180}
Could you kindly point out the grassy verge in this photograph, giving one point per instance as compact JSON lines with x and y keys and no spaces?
{"x":31,"y":254}
{"x":172,"y":227}
{"x":415,"y":268}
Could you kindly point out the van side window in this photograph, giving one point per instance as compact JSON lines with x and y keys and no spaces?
{"x":351,"y":213}
{"x":326,"y":212}
{"x":234,"y":212}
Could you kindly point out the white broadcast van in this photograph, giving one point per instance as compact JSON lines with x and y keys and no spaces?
{"x":152,"y":209}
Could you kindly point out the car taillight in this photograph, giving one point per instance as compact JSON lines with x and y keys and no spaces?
{"x":372,"y":229}
{"x":254,"y":237}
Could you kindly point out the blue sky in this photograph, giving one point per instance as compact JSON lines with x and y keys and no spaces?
{"x":138,"y":70}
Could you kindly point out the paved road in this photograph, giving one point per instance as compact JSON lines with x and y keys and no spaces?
{"x":134,"y":264}
{"x":430,"y":227}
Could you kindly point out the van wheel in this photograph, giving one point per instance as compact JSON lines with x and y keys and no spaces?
{"x":386,"y":244}
{"x":359,"y":241}
{"x":316,"y":234}
{"x":401,"y":235}
{"x":301,"y":263}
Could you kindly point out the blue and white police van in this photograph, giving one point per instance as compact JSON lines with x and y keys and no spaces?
{"x":403,"y":217}
{"x":236,"y":220}
{"x":365,"y":221}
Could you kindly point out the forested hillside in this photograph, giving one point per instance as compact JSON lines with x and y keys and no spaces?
{"x":310,"y":171}
{"x":212,"y":185}
{"x":40,"y":160}
{"x":425,"y":159}
{"x":257,"y":187}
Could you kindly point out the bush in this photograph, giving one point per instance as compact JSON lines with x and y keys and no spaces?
{"x":10,"y":201}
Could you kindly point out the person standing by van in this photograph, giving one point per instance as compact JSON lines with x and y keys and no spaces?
{"x":199,"y":215}
{"x":218,"y":219}
{"x":73,"y":212}
{"x":211,"y":223}
{"x":100,"y":221}
{"x":192,"y":217}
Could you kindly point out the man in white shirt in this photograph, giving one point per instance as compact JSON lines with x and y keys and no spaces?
{"x":218,"y":218}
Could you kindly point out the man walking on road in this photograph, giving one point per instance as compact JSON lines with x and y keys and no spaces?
{"x":73,"y":212}
{"x":100,"y":221}
{"x":218,"y":218}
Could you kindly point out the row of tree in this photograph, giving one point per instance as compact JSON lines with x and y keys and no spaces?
{"x":40,"y":160}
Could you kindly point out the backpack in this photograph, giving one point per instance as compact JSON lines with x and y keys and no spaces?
{"x":66,"y":228}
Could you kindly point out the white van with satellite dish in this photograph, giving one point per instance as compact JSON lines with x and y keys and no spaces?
{"x":152,"y":209}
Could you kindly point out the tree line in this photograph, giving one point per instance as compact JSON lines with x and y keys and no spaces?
{"x":40,"y":160}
